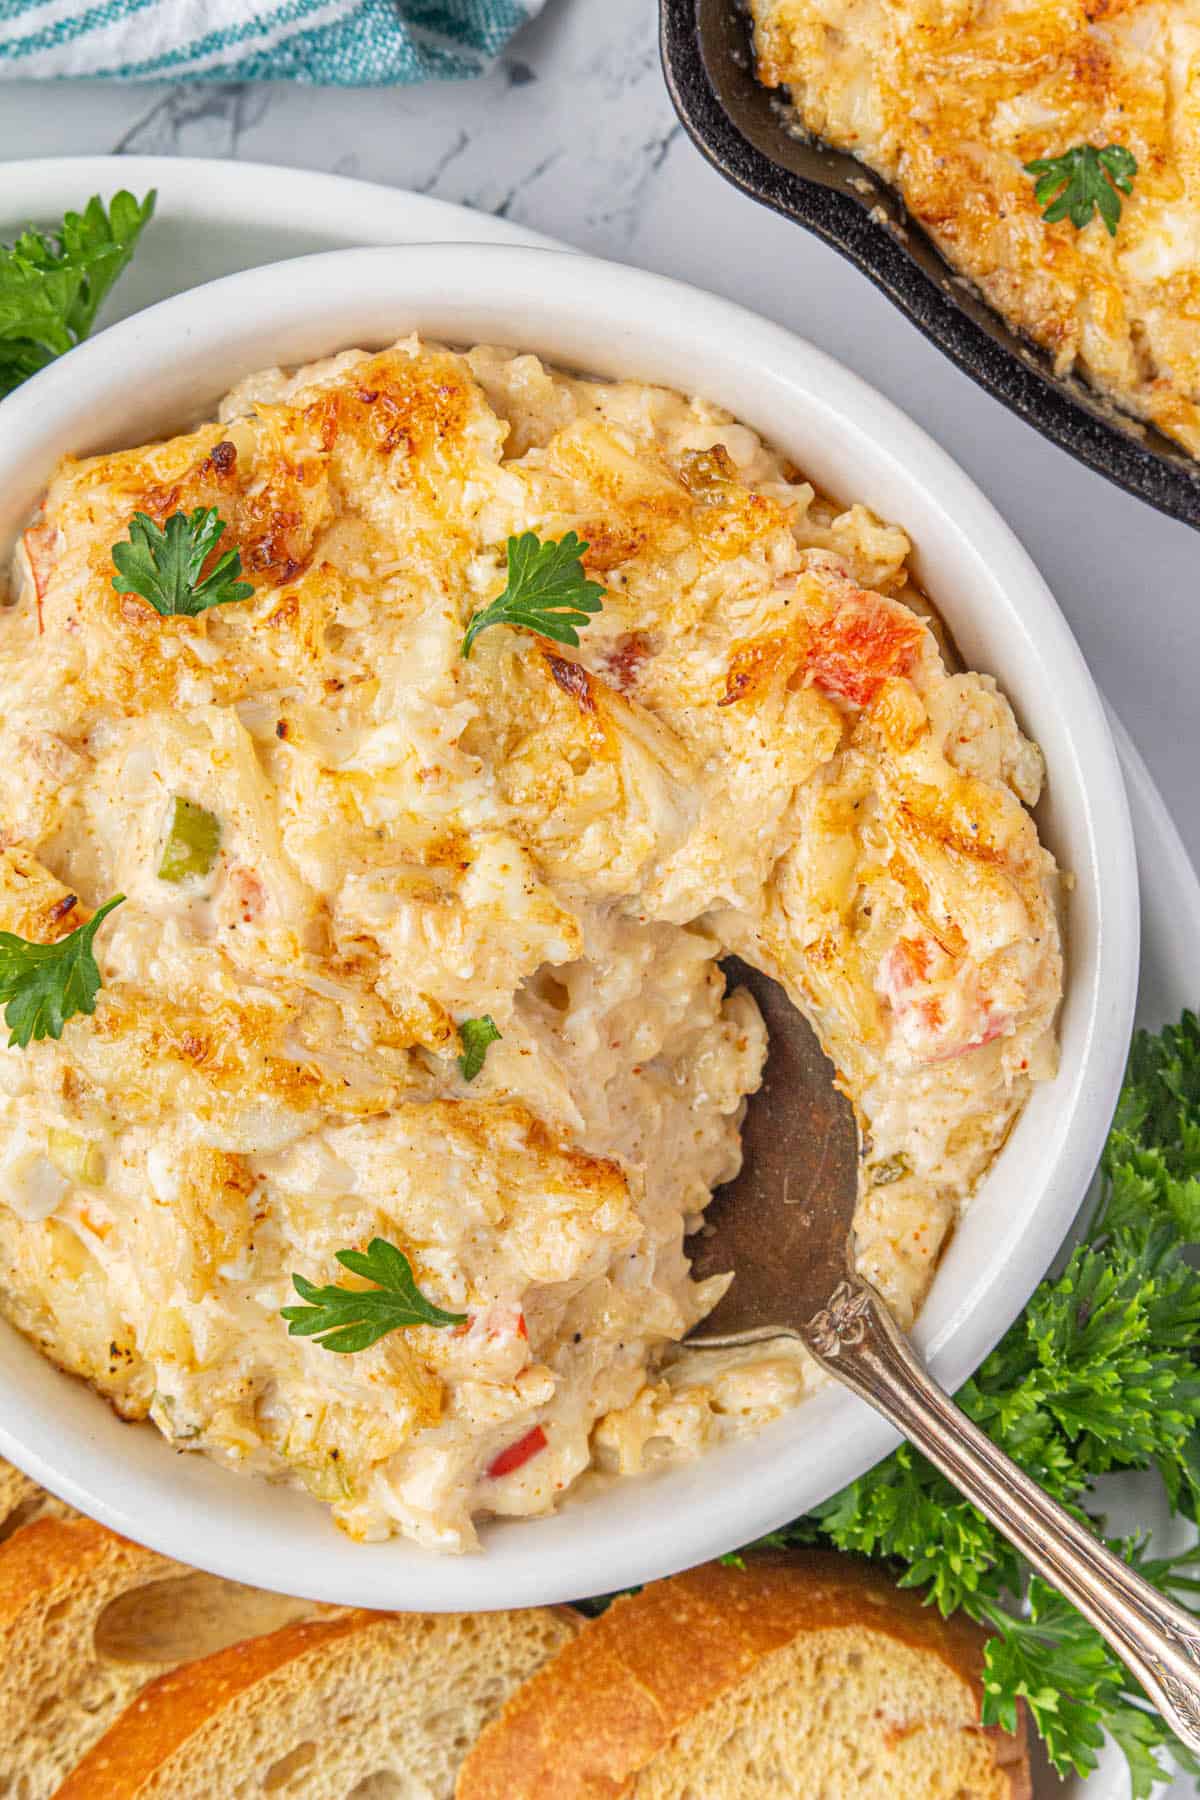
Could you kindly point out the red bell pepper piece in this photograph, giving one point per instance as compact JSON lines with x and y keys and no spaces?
{"x":517,"y":1454}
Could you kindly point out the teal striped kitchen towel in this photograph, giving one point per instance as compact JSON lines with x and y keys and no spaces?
{"x":351,"y":43}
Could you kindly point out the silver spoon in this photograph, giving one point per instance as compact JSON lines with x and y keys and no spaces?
{"x":785,"y":1226}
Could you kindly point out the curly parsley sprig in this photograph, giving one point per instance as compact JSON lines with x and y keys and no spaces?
{"x":52,"y":284}
{"x":1083,"y":181}
{"x":349,"y":1319}
{"x":165,"y":565}
{"x":44,"y":985}
{"x":546,"y":591}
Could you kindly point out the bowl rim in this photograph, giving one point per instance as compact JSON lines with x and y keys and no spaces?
{"x":162,"y":364}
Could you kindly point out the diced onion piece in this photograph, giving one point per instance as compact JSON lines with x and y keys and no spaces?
{"x":35,"y":1188}
{"x":76,"y":1157}
{"x":325,"y":1481}
{"x":192,"y":842}
{"x":891,"y":1168}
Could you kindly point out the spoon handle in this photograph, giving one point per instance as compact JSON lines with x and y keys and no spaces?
{"x":855,"y":1339}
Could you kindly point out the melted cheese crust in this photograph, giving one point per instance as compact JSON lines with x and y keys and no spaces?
{"x":757,"y":746}
{"x":948,"y":99}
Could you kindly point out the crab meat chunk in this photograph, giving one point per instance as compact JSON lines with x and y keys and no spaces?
{"x":939,"y":1005}
{"x":40,"y":544}
{"x":242,"y":899}
{"x":497,"y":1341}
{"x":864,"y":643}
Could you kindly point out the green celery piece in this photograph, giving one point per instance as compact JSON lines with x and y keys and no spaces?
{"x":192,"y":842}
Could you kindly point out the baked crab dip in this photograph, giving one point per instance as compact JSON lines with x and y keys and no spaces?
{"x":385,"y":769}
{"x":1051,"y":150}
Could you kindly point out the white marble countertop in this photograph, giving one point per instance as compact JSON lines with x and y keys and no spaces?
{"x":573,"y":134}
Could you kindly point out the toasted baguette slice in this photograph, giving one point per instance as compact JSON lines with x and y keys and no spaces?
{"x":86,"y":1619}
{"x":810,"y":1676}
{"x":366,"y":1703}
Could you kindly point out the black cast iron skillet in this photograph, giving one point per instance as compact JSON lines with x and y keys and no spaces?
{"x":742,"y":130}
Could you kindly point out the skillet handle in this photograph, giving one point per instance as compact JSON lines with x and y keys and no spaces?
{"x":855,"y":1338}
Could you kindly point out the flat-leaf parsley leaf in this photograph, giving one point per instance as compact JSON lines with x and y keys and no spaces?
{"x":44,"y":985}
{"x":475,"y":1036}
{"x":349,"y":1319}
{"x":1084,"y":180}
{"x":546,"y":591}
{"x":165,"y":565}
{"x":52,"y":284}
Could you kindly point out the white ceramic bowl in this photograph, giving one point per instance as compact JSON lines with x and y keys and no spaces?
{"x":163,"y":370}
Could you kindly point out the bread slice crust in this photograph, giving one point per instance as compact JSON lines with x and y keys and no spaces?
{"x":87,"y":1618}
{"x":319,"y":1706}
{"x":626,"y":1703}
